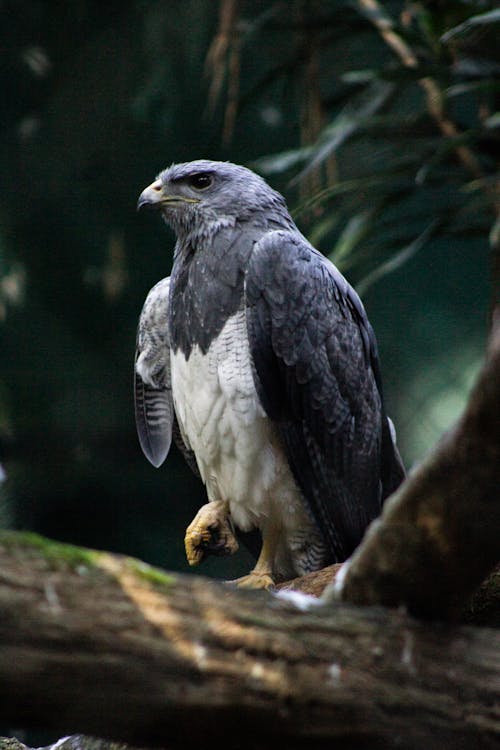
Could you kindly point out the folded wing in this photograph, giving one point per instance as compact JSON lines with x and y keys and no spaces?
{"x":154,"y":409}
{"x":317,"y":376}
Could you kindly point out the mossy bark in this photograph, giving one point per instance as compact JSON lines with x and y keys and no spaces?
{"x":101,"y":644}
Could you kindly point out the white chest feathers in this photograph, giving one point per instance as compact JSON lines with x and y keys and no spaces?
{"x":239,"y":455}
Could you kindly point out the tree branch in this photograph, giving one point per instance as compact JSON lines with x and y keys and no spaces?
{"x":105,"y":645}
{"x":482,"y":609}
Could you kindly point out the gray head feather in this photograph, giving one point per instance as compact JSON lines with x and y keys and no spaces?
{"x":201,"y":197}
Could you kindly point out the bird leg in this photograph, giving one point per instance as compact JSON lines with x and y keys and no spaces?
{"x":261,"y":577}
{"x":211,"y":532}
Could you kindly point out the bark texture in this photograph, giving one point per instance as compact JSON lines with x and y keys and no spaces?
{"x":105,"y":645}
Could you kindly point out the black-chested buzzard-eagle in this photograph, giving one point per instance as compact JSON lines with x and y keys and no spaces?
{"x":257,"y":355}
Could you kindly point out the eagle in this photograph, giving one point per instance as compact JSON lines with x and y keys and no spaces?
{"x":257,"y":357}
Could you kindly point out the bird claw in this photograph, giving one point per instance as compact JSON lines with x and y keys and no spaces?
{"x":210,"y":533}
{"x":255,"y":580}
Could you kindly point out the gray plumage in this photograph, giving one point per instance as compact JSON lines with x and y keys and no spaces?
{"x":262,"y":352}
{"x":154,"y":408}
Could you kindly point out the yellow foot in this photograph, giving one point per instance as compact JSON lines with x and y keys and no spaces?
{"x":255,"y":580}
{"x":210,"y":533}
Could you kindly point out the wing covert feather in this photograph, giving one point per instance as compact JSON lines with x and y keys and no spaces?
{"x":316,"y":371}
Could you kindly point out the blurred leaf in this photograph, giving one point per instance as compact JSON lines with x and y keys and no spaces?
{"x":477,"y":67}
{"x":354,"y":232}
{"x":282,"y":162}
{"x":492,"y":16}
{"x":354,"y":77}
{"x":446,"y":148}
{"x":397,"y":260}
{"x":472,"y":87}
{"x":323,"y":227}
{"x":492,"y":122}
{"x":351,"y":118}
{"x":395,"y":182}
{"x":490,"y":181}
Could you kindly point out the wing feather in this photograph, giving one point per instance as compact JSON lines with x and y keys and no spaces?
{"x":154,"y":410}
{"x":316,"y":371}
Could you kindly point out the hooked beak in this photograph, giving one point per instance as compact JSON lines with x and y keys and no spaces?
{"x":154,"y":197}
{"x":151,"y":196}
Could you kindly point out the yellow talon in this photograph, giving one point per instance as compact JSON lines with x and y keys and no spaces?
{"x":261,"y":577}
{"x":210,"y":533}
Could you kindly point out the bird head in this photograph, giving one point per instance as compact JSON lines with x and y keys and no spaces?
{"x":205,"y":195}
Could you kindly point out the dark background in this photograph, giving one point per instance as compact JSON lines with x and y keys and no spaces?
{"x":99,"y":97}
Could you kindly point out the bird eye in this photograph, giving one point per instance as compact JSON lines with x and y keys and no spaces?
{"x":200,"y":181}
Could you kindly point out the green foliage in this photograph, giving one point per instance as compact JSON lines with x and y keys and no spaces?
{"x":415,"y":135}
